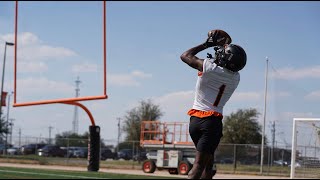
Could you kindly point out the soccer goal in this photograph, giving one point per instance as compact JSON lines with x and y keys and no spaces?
{"x":305,"y":157}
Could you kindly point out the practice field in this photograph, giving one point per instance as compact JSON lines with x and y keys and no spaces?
{"x":35,"y":171}
{"x":26,"y":173}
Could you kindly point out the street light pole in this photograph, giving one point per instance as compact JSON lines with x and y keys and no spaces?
{"x":3,"y":68}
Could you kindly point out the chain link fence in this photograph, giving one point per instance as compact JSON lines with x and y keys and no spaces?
{"x":230,"y":158}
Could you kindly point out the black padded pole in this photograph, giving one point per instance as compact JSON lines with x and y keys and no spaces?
{"x":94,"y":148}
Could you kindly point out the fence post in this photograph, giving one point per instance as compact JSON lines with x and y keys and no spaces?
{"x":269,"y":162}
{"x":68,"y":155}
{"x":132,"y":154}
{"x":234,"y":158}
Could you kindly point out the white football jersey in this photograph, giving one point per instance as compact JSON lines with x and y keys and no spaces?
{"x":214,"y":87}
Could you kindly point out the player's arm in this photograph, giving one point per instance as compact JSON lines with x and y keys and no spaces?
{"x":190,"y":58}
{"x":215,"y":37}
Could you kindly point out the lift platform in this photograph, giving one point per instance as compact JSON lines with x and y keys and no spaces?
{"x":169,"y":147}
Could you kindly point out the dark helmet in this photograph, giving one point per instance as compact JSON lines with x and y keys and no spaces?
{"x":232,"y":57}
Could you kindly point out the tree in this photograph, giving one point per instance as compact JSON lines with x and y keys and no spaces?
{"x":68,"y":139}
{"x":242,"y":127}
{"x":146,"y":111}
{"x":3,"y":129}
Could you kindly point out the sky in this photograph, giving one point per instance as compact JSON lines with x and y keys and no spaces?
{"x":59,"y":41}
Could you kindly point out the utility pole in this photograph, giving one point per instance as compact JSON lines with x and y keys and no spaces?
{"x":273,"y":132}
{"x":19,"y":137}
{"x":264,"y":117}
{"x":50,"y":128}
{"x":119,"y":119}
{"x":11,"y":129}
{"x":75,"y":123}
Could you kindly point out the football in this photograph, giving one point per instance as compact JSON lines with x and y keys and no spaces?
{"x":222,"y":37}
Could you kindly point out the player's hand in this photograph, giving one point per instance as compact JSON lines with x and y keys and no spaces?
{"x":211,"y":41}
{"x":217,"y":38}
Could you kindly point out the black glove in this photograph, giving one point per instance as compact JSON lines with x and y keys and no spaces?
{"x":212,"y":40}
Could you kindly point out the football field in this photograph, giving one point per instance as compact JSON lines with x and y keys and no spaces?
{"x":28,"y":173}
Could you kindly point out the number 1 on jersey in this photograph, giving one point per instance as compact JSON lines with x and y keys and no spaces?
{"x":218,"y":98}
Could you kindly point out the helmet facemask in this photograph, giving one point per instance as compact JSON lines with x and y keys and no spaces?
{"x":221,"y":56}
{"x":232,"y":57}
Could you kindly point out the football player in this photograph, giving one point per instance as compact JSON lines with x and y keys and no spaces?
{"x":218,"y":78}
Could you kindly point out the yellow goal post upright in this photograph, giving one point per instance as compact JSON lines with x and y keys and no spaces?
{"x":305,"y":150}
{"x":94,"y":130}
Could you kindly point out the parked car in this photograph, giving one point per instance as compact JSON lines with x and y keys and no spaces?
{"x":52,"y":151}
{"x":297,"y":165}
{"x":125,"y":154}
{"x":13,"y":151}
{"x":140,"y":156}
{"x":81,"y":152}
{"x":31,"y":148}
{"x":226,"y":161}
{"x":106,"y":153}
{"x":2,"y":147}
{"x":71,"y":151}
{"x":280,"y":163}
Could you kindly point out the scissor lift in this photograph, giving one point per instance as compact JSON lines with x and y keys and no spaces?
{"x":169,"y":147}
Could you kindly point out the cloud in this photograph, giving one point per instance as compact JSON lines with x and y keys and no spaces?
{"x":84,"y":67}
{"x":183,"y":99}
{"x":282,"y":94}
{"x":294,"y":74}
{"x":26,"y":67}
{"x":246,"y":96}
{"x":176,"y":104}
{"x":33,"y":85}
{"x":44,"y":52}
{"x":291,"y":115}
{"x":140,"y":74}
{"x":31,"y":48}
{"x":130,"y":79}
{"x":315,"y":95}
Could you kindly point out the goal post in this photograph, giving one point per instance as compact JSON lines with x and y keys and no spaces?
{"x":305,"y":148}
{"x":57,"y":33}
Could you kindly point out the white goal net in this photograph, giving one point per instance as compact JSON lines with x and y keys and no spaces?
{"x":305,"y":159}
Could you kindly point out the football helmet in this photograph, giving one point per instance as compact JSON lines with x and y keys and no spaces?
{"x":231,"y":56}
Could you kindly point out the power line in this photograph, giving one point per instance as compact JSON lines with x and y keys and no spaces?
{"x":286,"y":82}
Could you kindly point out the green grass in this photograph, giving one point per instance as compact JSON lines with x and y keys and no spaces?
{"x":25,"y":173}
{"x":254,"y":170}
{"x":82,"y":162}
{"x":122,"y":164}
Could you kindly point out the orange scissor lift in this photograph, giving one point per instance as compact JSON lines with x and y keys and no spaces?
{"x":169,"y":146}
